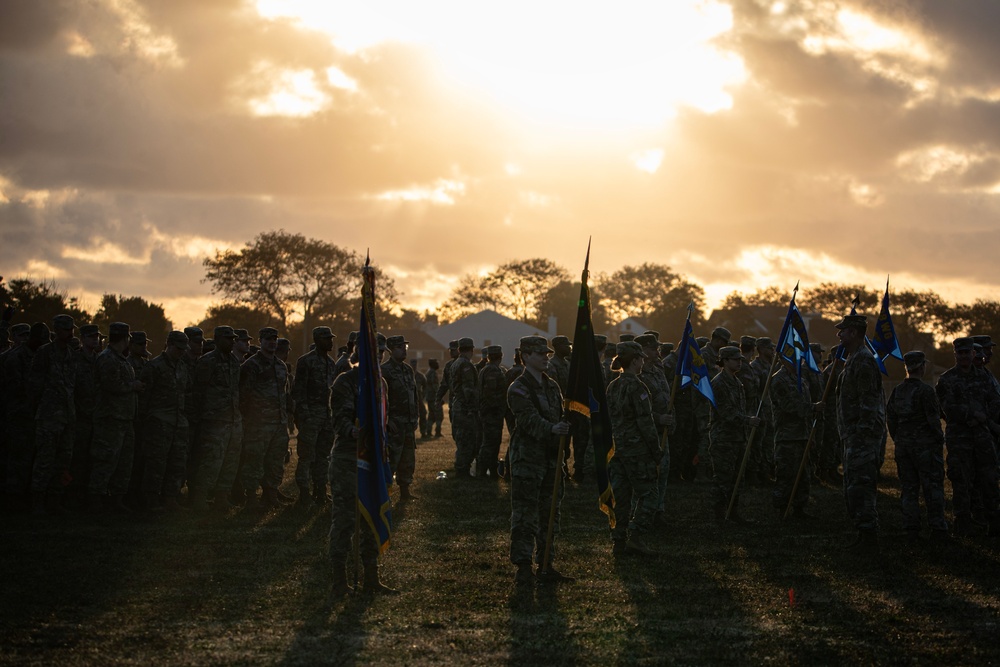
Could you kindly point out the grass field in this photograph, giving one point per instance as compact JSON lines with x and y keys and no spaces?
{"x":244,"y":588}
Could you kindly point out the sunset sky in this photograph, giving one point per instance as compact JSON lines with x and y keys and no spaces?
{"x":743,"y":143}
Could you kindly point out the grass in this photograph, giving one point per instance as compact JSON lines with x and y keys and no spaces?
{"x":244,"y":588}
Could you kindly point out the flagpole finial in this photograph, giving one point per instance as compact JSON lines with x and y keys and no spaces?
{"x":796,"y":290}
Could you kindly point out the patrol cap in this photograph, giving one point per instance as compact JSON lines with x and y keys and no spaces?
{"x":560,"y":340}
{"x":224,"y":332}
{"x":453,"y":345}
{"x":118,"y":329}
{"x":730,"y":352}
{"x":914,"y":358}
{"x":651,"y":332}
{"x":243,"y":334}
{"x":646,"y":340}
{"x":963,"y":344}
{"x":193,"y":333}
{"x":20,"y":329}
{"x":702,"y":341}
{"x":723,"y":333}
{"x":138,"y":338}
{"x":600,"y":340}
{"x":322,"y":332}
{"x":854,"y":322}
{"x":466,"y":343}
{"x":267,"y":332}
{"x":89,"y":330}
{"x":494,"y":350}
{"x":666,"y":348}
{"x":381,"y":341}
{"x":284,"y":343}
{"x":64,"y":322}
{"x":395,"y":341}
{"x":748,"y":340}
{"x":626,"y":352}
{"x":624,"y":338}
{"x":352,"y":337}
{"x":178,"y":339}
{"x":529,"y":344}
{"x":764,"y":343}
{"x":984,"y":340}
{"x":817,"y":348}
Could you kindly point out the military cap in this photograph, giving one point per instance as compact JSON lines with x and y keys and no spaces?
{"x":702,"y":341}
{"x":560,"y":340}
{"x":466,"y":343}
{"x":395,"y":341}
{"x":764,"y":343}
{"x":962,"y":344}
{"x":223,"y":332}
{"x":138,"y":338}
{"x":914,"y":358}
{"x":600,"y":340}
{"x":977,"y":347}
{"x":630,"y":349}
{"x":178,"y":339}
{"x":494,"y":350}
{"x":748,"y":340}
{"x":816,"y":348}
{"x":267,"y":332}
{"x":730,"y":352}
{"x":651,"y":332}
{"x":20,"y":329}
{"x":323,"y":332}
{"x":853,"y":321}
{"x":984,"y":340}
{"x":243,"y":334}
{"x":118,"y":329}
{"x":624,"y":338}
{"x":284,"y":343}
{"x":666,"y":348}
{"x":645,"y":340}
{"x":529,"y":344}
{"x":723,"y":333}
{"x":194,"y":332}
{"x":453,"y":345}
{"x":89,"y":330}
{"x":63,"y":322}
{"x":381,"y":340}
{"x":352,"y":337}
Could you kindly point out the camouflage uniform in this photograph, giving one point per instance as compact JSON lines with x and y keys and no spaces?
{"x":85,"y":396}
{"x":217,"y":395}
{"x":655,"y":380}
{"x":162,"y":412}
{"x":435,"y":413}
{"x":314,"y":376}
{"x":421,"y":384}
{"x":728,"y":435}
{"x":632,"y":469}
{"x":532,"y":459}
{"x":913,"y":418}
{"x":52,"y":382}
{"x":445,"y":388}
{"x":512,"y":374}
{"x":19,"y":422}
{"x":464,"y":409}
{"x":829,"y":450}
{"x":791,"y":415}
{"x":401,"y":401}
{"x":114,"y":438}
{"x":764,"y":440}
{"x":492,"y":408}
{"x":752,"y":390}
{"x":263,"y":403}
{"x":861,"y":423}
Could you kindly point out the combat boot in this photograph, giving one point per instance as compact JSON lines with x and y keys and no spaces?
{"x":269,"y":499}
{"x":222,"y":503}
{"x":37,"y":503}
{"x":305,"y":499}
{"x":619,"y":547}
{"x":865,"y":544}
{"x":963,"y":525}
{"x":551,"y":575}
{"x":372,"y":583}
{"x":118,"y":505}
{"x":524,"y":575}
{"x":320,"y":496}
{"x":404,"y":493}
{"x":282,"y":498}
{"x":198,"y":501}
{"x":54,"y":506}
{"x":95,"y":503}
{"x":340,"y":586}
{"x":638,"y":545}
{"x":801,"y":514}
{"x":171,"y":505}
{"x":152,"y":503}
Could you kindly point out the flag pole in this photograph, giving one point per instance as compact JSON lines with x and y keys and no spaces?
{"x":753,"y":429}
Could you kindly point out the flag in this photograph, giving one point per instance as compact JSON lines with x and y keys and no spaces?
{"x":868,"y":343}
{"x":884,"y":339}
{"x":691,"y":366}
{"x":374,"y":474}
{"x":585,"y":395}
{"x":793,"y":343}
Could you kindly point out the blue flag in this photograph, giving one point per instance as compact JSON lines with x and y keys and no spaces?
{"x":868,"y":343}
{"x":793,"y":343}
{"x":374,"y":475}
{"x":884,"y":343}
{"x":691,"y":366}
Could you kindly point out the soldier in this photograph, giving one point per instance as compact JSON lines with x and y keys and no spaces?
{"x":163,"y":418}
{"x":861,"y":422}
{"x":314,"y":376}
{"x":609,"y":356}
{"x":752,"y":390}
{"x":264,"y":404}
{"x":435,"y":414}
{"x":792,"y":412}
{"x":492,"y":390}
{"x":85,"y":397}
{"x":728,"y":425}
{"x":651,"y":375}
{"x":421,"y":383}
{"x":19,"y":416}
{"x":51,"y":385}
{"x":830,"y":450}
{"x":464,"y":407}
{"x":764,"y":439}
{"x":558,"y":368}
{"x":913,"y":418}
{"x":401,"y":401}
{"x":137,"y":356}
{"x":445,"y":386}
{"x":633,"y":468}
{"x":668,"y":362}
{"x":241,"y":346}
{"x":217,"y":394}
{"x":343,"y":475}
{"x":512,"y":374}
{"x":969,"y":406}
{"x":816,"y":391}
{"x":483,"y":360}
{"x":346,"y":360}
{"x":114,"y":416}
{"x":536,"y":402}
{"x":196,"y":345}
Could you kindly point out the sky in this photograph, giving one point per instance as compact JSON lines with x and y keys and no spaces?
{"x":744,"y":143}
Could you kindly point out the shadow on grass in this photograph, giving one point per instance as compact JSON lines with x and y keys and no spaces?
{"x":539,"y":632}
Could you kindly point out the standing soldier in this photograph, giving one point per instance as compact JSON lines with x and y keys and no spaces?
{"x":651,"y":375}
{"x":241,"y":346}
{"x":85,"y":397}
{"x":138,"y":355}
{"x":830,"y":452}
{"x":816,"y":389}
{"x":217,"y":394}
{"x":752,"y":389}
{"x":445,"y":387}
{"x":196,"y":344}
{"x":729,"y":423}
{"x":913,"y":418}
{"x":536,"y":402}
{"x":401,"y":402}
{"x":765,"y":432}
{"x":314,"y":375}
{"x":492,"y":408}
{"x":465,"y":407}
{"x":421,"y":383}
{"x":512,"y":374}
{"x":346,"y":360}
{"x":435,"y":414}
{"x":861,"y":422}
{"x":114,"y":416}
{"x":51,"y":385}
{"x":632,"y":469}
{"x":19,"y":416}
{"x":792,"y":411}
{"x":163,"y":418}
{"x":264,"y":404}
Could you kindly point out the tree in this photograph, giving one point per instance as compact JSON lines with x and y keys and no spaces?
{"x":513,"y":289}
{"x":40,"y":302}
{"x":654,"y":293}
{"x":833,"y":300}
{"x":287,"y":275}
{"x":561,"y":302}
{"x":238,"y":317}
{"x":138,"y":313}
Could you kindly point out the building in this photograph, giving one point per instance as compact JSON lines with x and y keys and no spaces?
{"x":489,"y":327}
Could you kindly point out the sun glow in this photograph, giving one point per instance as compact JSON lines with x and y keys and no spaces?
{"x":560,"y":63}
